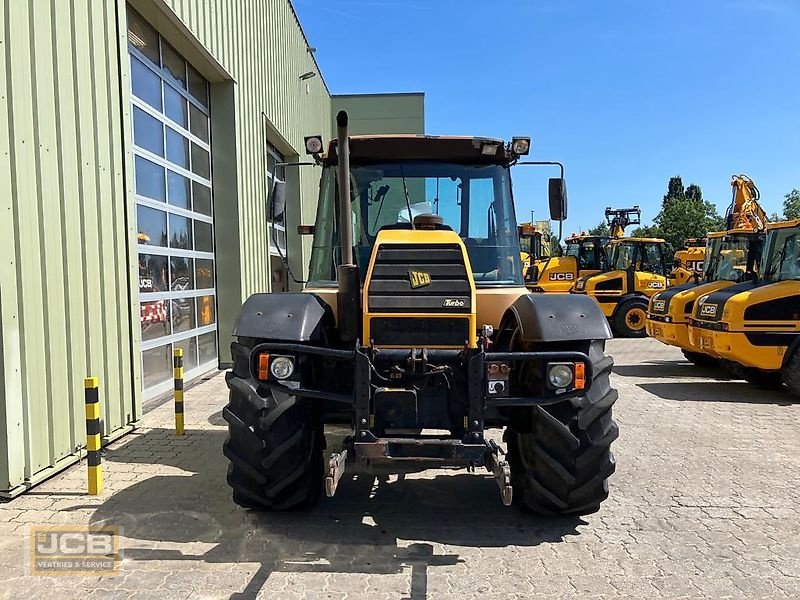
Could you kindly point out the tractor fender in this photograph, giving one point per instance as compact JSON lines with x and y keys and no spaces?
{"x":286,"y":317}
{"x":558,"y":318}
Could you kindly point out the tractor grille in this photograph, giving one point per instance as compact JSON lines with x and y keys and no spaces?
{"x":418,"y":332}
{"x":414,"y":278}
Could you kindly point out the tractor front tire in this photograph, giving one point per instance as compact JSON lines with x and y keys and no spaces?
{"x":629,"y":319}
{"x":700,"y":360}
{"x":275,"y":443}
{"x":560,"y":454}
{"x":791,"y":374}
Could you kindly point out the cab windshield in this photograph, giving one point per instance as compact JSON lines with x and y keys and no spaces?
{"x":585,"y":251}
{"x":782,"y":258}
{"x":642,"y":256}
{"x":474,"y":201}
{"x":732,"y":258}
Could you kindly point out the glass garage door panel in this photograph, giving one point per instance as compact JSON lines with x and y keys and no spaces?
{"x":170,"y":120}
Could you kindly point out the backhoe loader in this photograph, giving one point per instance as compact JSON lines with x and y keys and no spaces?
{"x":415,"y":331}
{"x":733,"y":257}
{"x":756,"y":324}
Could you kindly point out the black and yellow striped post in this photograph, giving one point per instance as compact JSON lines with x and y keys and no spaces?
{"x":177,"y":367}
{"x":92,"y":401}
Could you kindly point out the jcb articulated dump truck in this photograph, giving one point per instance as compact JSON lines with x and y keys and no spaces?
{"x":756,"y":324}
{"x":416,"y":331}
{"x":732,"y":257}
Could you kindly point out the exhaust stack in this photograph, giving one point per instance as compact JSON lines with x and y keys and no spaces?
{"x":349,"y":291}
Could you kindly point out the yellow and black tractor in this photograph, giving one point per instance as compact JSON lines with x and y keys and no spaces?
{"x":733,"y":257}
{"x":688,"y":262}
{"x":415,"y":331}
{"x":756,"y":324}
{"x":636,"y":270}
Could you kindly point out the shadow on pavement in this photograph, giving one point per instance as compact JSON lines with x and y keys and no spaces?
{"x":713,"y":391}
{"x":669,"y":368}
{"x":357,"y":531}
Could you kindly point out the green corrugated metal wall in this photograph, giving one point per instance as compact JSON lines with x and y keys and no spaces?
{"x":263,"y":48}
{"x":64,"y":299}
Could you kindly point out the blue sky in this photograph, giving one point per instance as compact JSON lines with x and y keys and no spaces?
{"x":625,"y":92}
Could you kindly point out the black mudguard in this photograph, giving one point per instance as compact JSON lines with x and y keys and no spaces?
{"x":559,"y":318}
{"x":288,"y":317}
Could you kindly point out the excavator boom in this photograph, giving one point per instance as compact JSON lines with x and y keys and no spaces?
{"x":744,"y":211}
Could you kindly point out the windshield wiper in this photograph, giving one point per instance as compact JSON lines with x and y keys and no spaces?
{"x":408,"y":200}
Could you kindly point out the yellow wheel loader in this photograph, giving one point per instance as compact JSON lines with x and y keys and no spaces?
{"x":733,"y":257}
{"x":636,"y":270}
{"x":416,"y":332}
{"x":688,"y":263}
{"x":584,"y":254}
{"x":756,"y":324}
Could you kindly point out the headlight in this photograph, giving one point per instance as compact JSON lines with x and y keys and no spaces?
{"x":521,"y":146}
{"x":281,"y":367}
{"x":559,"y":376}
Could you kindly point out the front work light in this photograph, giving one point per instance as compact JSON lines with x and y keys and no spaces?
{"x":521,"y":145}
{"x":282,"y":367}
{"x":559,"y":375}
{"x":313,"y":144}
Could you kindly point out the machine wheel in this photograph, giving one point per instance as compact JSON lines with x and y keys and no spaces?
{"x":700,"y":360}
{"x":791,"y":373}
{"x":275,"y":443}
{"x":733,"y":369}
{"x":629,"y":319}
{"x":766,"y":380}
{"x":560,"y":454}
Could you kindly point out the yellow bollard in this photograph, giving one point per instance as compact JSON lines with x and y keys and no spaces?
{"x":92,"y":402}
{"x":177,"y":367}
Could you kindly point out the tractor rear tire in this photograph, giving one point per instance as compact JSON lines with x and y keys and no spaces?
{"x":701,"y":360}
{"x":629,"y":319}
{"x":765,"y":380}
{"x":275,"y":443}
{"x":560,"y":454}
{"x":791,"y":374}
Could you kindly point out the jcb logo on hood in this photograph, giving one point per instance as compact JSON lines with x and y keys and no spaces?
{"x":708,"y":310}
{"x":562,"y":276}
{"x":695,"y":265}
{"x":419,"y":279}
{"x":655,"y":285}
{"x":659,"y":305}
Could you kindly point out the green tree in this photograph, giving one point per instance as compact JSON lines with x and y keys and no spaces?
{"x":600,"y":229}
{"x":555,"y":248}
{"x":791,"y":205}
{"x":675,"y":190}
{"x":651,"y":231}
{"x":684,"y":214}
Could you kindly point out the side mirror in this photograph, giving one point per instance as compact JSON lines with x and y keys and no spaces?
{"x":277,"y":200}
{"x":557,"y":194}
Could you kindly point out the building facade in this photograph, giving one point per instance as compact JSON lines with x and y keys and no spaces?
{"x":138,"y":142}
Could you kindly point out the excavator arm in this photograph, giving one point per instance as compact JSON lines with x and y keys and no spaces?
{"x":744,"y":211}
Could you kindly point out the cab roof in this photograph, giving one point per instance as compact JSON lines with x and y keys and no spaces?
{"x":638,"y":239}
{"x":790,"y":224}
{"x":370,"y":149}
